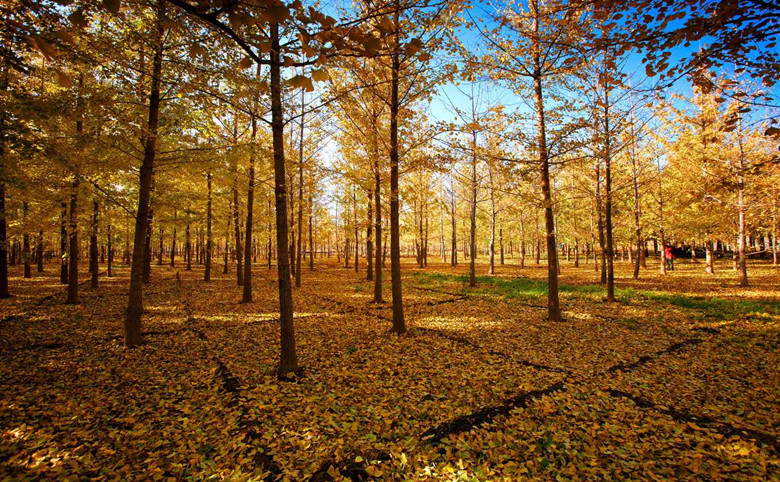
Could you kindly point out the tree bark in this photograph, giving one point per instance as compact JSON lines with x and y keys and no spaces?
{"x":63,"y":242}
{"x":300,"y":199}
{"x":26,"y":243}
{"x":110,"y":256}
{"x":246,"y":296}
{"x":135,"y":302}
{"x":377,"y":226}
{"x":288,"y":359}
{"x":399,"y":323}
{"x":209,"y":242}
{"x":473,"y":214}
{"x":93,"y":246}
{"x":553,"y":306}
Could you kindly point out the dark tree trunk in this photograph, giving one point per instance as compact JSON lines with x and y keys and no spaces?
{"x":377,"y":228}
{"x":369,"y":239}
{"x":188,"y":246}
{"x":63,"y":242}
{"x":73,"y":248}
{"x":39,"y":251}
{"x":399,"y":323}
{"x":26,"y":244}
{"x":135,"y":303}
{"x":288,"y":359}
{"x":553,"y":306}
{"x":250,"y":206}
{"x":110,"y":248}
{"x":93,"y":246}
{"x":209,"y":242}
{"x":237,"y":228}
{"x":173,"y":241}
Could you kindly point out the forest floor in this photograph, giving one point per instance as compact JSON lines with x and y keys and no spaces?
{"x":678,"y":380}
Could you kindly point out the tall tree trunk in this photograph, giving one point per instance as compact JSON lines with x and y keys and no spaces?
{"x":637,"y":212}
{"x":300,"y":199}
{"x":378,"y":224}
{"x":610,"y":254}
{"x":161,"y":230}
{"x":135,"y":302}
{"x":742,"y":229}
{"x":250,"y":206}
{"x":173,"y":240}
{"x":369,"y":236}
{"x":26,"y":243}
{"x":492,"y":269}
{"x":110,"y":256}
{"x":522,"y":241}
{"x":311,"y":233}
{"x":473,"y":214}
{"x":237,"y":228}
{"x":288,"y":359}
{"x":209,"y":241}
{"x":553,"y":306}
{"x":147,"y":269}
{"x":93,"y":246}
{"x":4,"y":293}
{"x":63,"y":242}
{"x":356,"y":231}
{"x":399,"y":323}
{"x":774,"y":227}
{"x":188,"y":246}
{"x":73,"y":248}
{"x":39,"y":251}
{"x":454,"y":224}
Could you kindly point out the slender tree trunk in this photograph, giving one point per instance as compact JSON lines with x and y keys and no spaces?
{"x":492,"y":269}
{"x":356,"y":231}
{"x":73,"y":248}
{"x":93,"y":246}
{"x":4,"y":292}
{"x":63,"y":242}
{"x":553,"y":306}
{"x":378,"y":224}
{"x":147,"y":269}
{"x":209,"y":242}
{"x":774,"y":227}
{"x":237,"y":228}
{"x":39,"y":252}
{"x":742,"y":230}
{"x":110,"y":256}
{"x":250,"y":206}
{"x":173,"y":240}
{"x":135,"y":302}
{"x":399,"y":323}
{"x":300,"y":199}
{"x":454,"y":223}
{"x":26,"y":243}
{"x":161,"y":230}
{"x":188,"y":246}
{"x":522,"y":241}
{"x":369,"y":236}
{"x":473,"y":215}
{"x":311,"y":233}
{"x":288,"y":359}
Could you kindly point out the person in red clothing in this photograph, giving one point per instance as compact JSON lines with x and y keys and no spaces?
{"x":669,"y":257}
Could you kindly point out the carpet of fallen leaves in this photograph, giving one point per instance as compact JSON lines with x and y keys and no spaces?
{"x":679,"y":380}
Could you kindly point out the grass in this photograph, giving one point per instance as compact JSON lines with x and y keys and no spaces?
{"x":522,"y":288}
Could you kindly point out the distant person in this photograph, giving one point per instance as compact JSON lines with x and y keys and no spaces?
{"x":669,"y":257}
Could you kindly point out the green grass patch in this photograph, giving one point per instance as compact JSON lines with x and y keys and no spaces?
{"x":711,"y":308}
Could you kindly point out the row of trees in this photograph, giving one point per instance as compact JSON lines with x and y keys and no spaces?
{"x":168,"y":128}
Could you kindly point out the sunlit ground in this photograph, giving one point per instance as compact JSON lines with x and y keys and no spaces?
{"x":677,"y":380}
